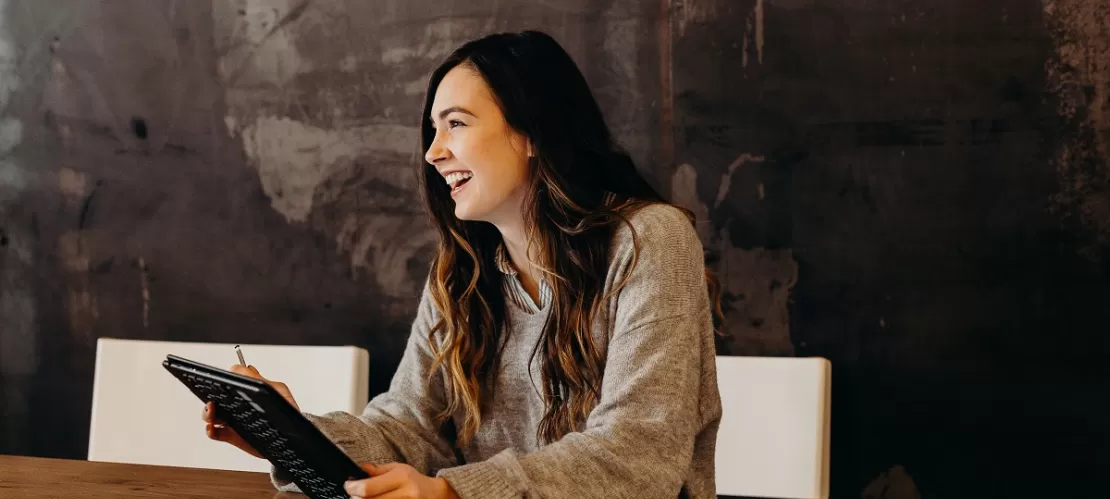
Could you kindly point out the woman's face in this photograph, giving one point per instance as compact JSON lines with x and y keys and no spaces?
{"x":482,"y":159}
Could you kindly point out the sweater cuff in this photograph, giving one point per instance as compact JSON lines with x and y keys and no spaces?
{"x":485,"y":480}
{"x":282,"y":482}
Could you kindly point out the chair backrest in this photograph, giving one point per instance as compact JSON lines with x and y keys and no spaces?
{"x":141,"y":414}
{"x":774,"y":434}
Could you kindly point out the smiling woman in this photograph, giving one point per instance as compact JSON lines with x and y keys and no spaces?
{"x":473,"y":146}
{"x":563,"y":346}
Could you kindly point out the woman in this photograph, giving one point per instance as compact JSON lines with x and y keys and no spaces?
{"x":563,"y":346}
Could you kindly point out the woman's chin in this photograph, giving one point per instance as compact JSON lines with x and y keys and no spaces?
{"x":463,"y":212}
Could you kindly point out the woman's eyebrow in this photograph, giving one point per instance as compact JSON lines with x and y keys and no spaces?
{"x":453,"y":109}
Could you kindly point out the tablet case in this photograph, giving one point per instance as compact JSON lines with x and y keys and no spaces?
{"x":271,"y":425}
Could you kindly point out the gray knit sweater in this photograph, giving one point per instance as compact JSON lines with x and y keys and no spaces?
{"x":653,"y":432}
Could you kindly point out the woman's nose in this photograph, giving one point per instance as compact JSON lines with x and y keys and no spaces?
{"x":436,"y":153}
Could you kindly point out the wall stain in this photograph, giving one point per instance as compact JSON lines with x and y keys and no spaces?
{"x":726,"y":179}
{"x":82,"y":304}
{"x":1079,"y":76}
{"x":256,"y":45}
{"x":753,"y":33}
{"x":693,"y":12}
{"x":293,"y":157}
{"x":144,"y":286}
{"x":756,"y":282}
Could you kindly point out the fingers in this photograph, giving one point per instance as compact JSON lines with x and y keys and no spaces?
{"x":375,"y":485}
{"x":223,"y":434}
{"x":248,"y":371}
{"x":208,"y":414}
{"x":228,"y":435}
{"x":217,"y":430}
{"x":398,"y":493}
{"x":252,"y":372}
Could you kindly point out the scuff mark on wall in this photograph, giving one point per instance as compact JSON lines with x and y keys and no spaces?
{"x":726,"y":179}
{"x":378,"y":223}
{"x":692,"y":12}
{"x":292,"y":157}
{"x":257,"y":48}
{"x":1079,"y":76}
{"x":757,"y":282}
{"x":144,"y":286}
{"x":753,"y":33}
{"x":82,"y":304}
{"x":438,"y":40}
{"x":73,"y":186}
{"x":684,"y":193}
{"x":759,"y":27}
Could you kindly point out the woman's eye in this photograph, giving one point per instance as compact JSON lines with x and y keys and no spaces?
{"x":455,"y":123}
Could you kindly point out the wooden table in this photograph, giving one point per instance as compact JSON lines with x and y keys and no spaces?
{"x":35,"y":478}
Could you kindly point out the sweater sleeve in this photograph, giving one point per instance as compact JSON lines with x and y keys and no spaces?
{"x":400,"y":424}
{"x":639,"y":440}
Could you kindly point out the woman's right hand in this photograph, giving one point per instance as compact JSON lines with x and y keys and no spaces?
{"x":217,"y":430}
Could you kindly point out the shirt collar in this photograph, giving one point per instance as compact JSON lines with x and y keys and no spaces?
{"x":502,"y":260}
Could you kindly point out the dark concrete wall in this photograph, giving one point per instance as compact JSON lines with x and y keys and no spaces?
{"x":932,"y":180}
{"x":919,"y":191}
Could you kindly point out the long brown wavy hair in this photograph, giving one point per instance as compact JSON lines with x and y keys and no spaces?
{"x":569,"y":227}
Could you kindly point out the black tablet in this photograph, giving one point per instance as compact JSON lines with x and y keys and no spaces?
{"x":272,"y":426}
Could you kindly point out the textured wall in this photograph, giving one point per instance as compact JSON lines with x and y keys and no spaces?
{"x":931,"y":180}
{"x":919,"y":191}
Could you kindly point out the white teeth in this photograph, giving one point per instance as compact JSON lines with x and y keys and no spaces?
{"x":457,"y":177}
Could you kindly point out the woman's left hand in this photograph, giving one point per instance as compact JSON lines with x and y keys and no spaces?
{"x":398,"y":481}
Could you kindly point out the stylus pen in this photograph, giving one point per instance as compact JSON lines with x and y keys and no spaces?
{"x":238,"y":352}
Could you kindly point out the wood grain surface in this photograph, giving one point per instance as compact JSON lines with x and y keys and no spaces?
{"x":38,"y":478}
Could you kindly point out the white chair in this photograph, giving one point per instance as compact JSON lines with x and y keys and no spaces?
{"x":141,"y":414}
{"x":774,"y":434}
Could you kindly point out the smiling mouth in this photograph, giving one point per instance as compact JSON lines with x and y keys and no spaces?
{"x":458,"y":179}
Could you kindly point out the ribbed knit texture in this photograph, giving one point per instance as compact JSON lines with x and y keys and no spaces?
{"x":653,"y":432}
